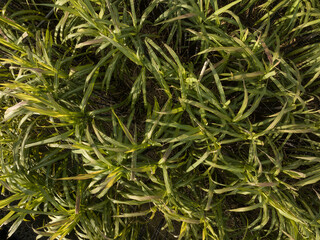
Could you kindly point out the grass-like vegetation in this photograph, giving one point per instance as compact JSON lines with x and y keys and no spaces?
{"x":182,"y":119}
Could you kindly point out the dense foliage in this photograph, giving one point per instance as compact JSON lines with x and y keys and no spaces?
{"x":182,"y":119}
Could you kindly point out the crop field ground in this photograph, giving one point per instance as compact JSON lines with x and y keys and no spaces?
{"x":154,"y":119}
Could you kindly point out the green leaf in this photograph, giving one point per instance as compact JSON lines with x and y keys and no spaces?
{"x":246,"y":209}
{"x":199,"y":161}
{"x":244,"y":104}
{"x":126,"y":51}
{"x":15,"y":25}
{"x":124,"y":128}
{"x":57,"y":138}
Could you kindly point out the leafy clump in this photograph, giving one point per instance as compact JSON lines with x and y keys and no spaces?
{"x":161,"y":119}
